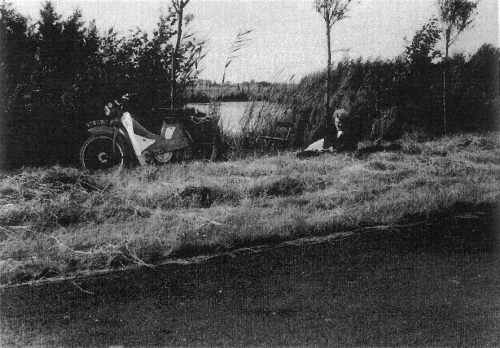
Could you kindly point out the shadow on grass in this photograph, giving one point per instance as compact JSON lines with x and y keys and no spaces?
{"x":286,"y":186}
{"x":460,"y":228}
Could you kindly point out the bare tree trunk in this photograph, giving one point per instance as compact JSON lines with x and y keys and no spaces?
{"x":444,"y":102}
{"x":173,"y":85}
{"x":445,"y":68}
{"x":328,"y":68}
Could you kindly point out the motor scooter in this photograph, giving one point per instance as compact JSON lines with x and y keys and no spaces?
{"x":120,"y":140}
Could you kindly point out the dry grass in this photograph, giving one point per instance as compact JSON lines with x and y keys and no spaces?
{"x":60,"y":220}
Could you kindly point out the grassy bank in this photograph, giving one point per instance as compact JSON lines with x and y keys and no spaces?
{"x":60,"y":220}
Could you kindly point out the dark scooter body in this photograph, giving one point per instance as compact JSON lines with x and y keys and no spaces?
{"x":185,"y":133}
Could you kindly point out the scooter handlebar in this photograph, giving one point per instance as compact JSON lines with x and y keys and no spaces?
{"x":127,"y":96}
{"x":108,"y":108}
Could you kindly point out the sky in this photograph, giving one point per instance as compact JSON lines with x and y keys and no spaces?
{"x":288,"y":40}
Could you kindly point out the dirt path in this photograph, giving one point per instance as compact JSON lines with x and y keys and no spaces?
{"x":434,"y":284}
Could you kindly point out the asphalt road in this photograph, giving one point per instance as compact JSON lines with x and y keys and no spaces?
{"x":433,"y":284}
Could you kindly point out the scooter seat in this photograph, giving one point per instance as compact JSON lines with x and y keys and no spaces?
{"x":176,"y":113}
{"x":191,"y":115}
{"x":200,"y":117}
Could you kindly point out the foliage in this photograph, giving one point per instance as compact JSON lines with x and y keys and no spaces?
{"x":411,"y":82}
{"x":456,"y":17}
{"x":60,"y":71}
{"x":16,"y":56}
{"x":421,"y":50}
{"x":332,"y":10}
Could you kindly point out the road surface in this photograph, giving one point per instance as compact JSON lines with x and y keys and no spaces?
{"x":437,"y":283}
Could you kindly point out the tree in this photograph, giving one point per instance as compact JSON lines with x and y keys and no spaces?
{"x":424,"y":74}
{"x":66,"y":50}
{"x":455,"y":17}
{"x":17,"y":57}
{"x":332,"y":11}
{"x":421,"y":51}
{"x":478,"y":92}
{"x":143,"y":63}
{"x":179,"y":10}
{"x":61,"y":69}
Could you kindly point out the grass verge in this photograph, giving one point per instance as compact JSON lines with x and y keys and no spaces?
{"x":60,"y":220}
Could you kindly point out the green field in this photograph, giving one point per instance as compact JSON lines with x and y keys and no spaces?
{"x":57,"y":221}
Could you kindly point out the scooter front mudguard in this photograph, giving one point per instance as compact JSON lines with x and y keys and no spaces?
{"x":106,"y":130}
{"x":101,"y":130}
{"x":115,"y":133}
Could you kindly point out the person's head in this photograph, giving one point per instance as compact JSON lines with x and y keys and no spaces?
{"x":340,"y":117}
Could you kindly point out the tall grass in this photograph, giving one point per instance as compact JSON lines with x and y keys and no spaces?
{"x":368,"y":89}
{"x":266,"y":108}
{"x":227,"y":142}
{"x":242,"y":39}
{"x":60,"y":220}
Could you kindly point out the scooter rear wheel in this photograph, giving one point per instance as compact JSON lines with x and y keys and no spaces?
{"x":210,"y":151}
{"x":100,"y":152}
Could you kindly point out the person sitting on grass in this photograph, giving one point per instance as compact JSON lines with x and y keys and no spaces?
{"x":346,"y":136}
{"x":339,"y":133}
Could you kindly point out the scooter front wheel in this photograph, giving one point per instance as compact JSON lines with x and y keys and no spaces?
{"x":100,"y":152}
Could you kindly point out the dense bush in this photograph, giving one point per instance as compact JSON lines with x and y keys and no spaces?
{"x":367,"y":89}
{"x":410,"y":86}
{"x":58,"y":73}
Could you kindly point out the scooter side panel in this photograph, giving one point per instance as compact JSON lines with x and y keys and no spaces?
{"x":173,"y":137}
